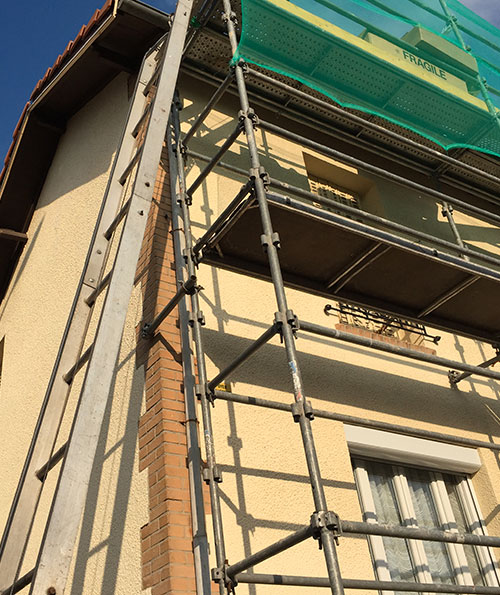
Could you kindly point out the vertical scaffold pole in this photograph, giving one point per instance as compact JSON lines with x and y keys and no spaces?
{"x":196,"y":321}
{"x":270,"y":243}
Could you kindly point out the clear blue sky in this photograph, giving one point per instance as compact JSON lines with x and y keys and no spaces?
{"x":33,"y":34}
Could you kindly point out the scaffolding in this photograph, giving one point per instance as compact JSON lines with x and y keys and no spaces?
{"x":271,"y":195}
{"x":455,"y":268}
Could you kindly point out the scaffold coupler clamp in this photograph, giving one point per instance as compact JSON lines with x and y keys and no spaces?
{"x":446,"y":209}
{"x":326,"y":519}
{"x":273,"y":239}
{"x":201,"y":391}
{"x":251,"y":115}
{"x":260,"y":172}
{"x":219,"y":575}
{"x":230,"y":16}
{"x":300,"y":408}
{"x":452,"y":377}
{"x":216,"y":473}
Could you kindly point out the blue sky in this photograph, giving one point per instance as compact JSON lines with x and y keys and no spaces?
{"x":33,"y":34}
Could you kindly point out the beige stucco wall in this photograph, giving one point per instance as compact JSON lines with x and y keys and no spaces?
{"x":265,"y":492}
{"x":32,"y":319}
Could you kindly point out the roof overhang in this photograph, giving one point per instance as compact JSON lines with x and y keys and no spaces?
{"x":115,"y":41}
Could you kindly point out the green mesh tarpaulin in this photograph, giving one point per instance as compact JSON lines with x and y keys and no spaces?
{"x":432,"y":66}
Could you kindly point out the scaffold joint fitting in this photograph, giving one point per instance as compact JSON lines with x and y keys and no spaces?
{"x":229,"y":16}
{"x":251,"y":115}
{"x":300,"y":408}
{"x":266,"y":240}
{"x":326,"y":519}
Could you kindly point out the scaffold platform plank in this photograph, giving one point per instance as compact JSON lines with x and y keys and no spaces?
{"x":341,"y":258}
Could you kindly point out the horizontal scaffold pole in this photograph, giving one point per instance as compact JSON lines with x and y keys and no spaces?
{"x":420,"y":533}
{"x":378,"y":171}
{"x":367,"y":585}
{"x":350,"y":211}
{"x":369,"y":125}
{"x":359,"y":421}
{"x":187,"y":288}
{"x":324,"y":331}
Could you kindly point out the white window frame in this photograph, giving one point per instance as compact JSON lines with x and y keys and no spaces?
{"x":392,"y":449}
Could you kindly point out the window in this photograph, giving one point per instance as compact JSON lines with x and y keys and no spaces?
{"x":328,"y":189}
{"x":416,"y":497}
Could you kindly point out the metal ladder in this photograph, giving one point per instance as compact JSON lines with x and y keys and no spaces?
{"x":136,"y":164}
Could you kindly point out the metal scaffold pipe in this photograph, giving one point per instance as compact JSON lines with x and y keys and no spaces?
{"x":345,"y":158}
{"x":359,"y":421}
{"x":196,"y":323}
{"x":270,"y":242}
{"x":324,"y":331}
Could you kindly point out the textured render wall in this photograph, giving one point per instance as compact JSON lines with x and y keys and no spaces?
{"x":265,"y":492}
{"x":32,"y":318}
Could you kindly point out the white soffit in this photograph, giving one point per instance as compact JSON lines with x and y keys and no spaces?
{"x":399,"y":448}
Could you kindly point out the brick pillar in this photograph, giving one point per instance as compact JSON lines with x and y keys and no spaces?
{"x":167,"y":559}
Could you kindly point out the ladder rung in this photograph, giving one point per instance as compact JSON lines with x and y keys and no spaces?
{"x":153,"y":79}
{"x":71,"y":373}
{"x":140,"y":122}
{"x":130,"y":166}
{"x":102,"y":285}
{"x":52,"y":462}
{"x":116,"y":221}
{"x":22,"y":582}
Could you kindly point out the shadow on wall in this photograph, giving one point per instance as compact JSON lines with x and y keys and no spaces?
{"x":113,"y":496}
{"x":332,"y":381}
{"x":25,"y":255}
{"x":86,"y":148}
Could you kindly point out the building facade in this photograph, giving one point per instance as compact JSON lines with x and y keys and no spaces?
{"x":397,"y":443}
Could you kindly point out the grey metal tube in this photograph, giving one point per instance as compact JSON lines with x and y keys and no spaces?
{"x":215,"y":159}
{"x":486,"y":364}
{"x":343,"y":157}
{"x":458,"y":250}
{"x":209,"y":106}
{"x":324,"y":331}
{"x":22,"y":582}
{"x":182,"y":203}
{"x":360,"y":421}
{"x":422,"y":534}
{"x":221,"y":220}
{"x":368,"y":125}
{"x":312,"y":581}
{"x":236,"y":363}
{"x":319,"y":498}
{"x":194,"y":462}
{"x":185,"y":288}
{"x":271,"y":550}
{"x":358,"y":214}
{"x":298,"y":115}
{"x":381,"y":235}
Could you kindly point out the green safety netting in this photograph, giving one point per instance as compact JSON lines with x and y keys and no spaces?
{"x":432,"y":66}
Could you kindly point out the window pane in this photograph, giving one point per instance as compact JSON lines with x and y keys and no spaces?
{"x":463,"y":527}
{"x":437,"y":556}
{"x":398,"y":555}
